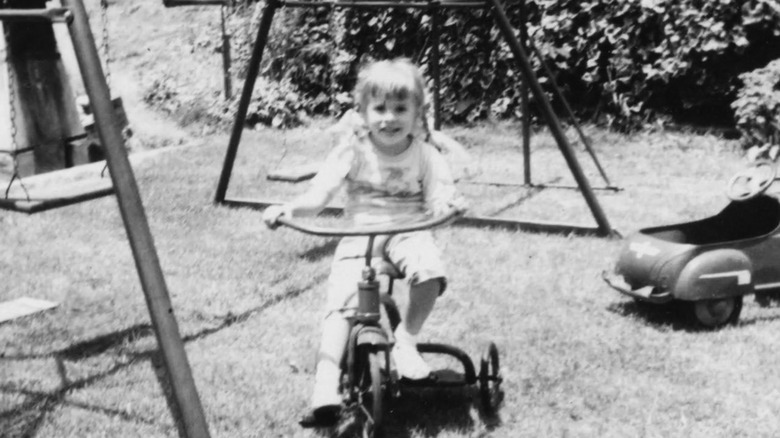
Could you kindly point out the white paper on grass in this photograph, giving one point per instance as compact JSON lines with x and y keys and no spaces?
{"x":22,"y":307}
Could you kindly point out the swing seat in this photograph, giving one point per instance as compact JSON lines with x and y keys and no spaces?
{"x":294,"y":174}
{"x":54,"y":195}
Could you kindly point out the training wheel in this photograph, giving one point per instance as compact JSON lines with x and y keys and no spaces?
{"x":751,"y":182}
{"x":717,"y":312}
{"x":490,"y":380}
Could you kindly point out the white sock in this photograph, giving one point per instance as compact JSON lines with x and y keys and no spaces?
{"x":326,"y":384}
{"x":402,"y":336}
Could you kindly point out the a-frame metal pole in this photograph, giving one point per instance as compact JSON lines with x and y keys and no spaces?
{"x":137,"y":227}
{"x":552,"y":120}
{"x":435,"y":62}
{"x":526,"y":107}
{"x":246,"y":96}
{"x":227,"y":83}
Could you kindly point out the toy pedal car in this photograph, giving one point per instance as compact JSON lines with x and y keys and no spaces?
{"x":710,"y":263}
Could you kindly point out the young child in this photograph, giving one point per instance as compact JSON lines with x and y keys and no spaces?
{"x":391,"y":176}
{"x":460,"y":161}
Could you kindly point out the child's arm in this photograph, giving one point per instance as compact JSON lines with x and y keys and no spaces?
{"x":323,"y":188}
{"x":439,"y":187}
{"x":307,"y":204}
{"x":463,"y":165}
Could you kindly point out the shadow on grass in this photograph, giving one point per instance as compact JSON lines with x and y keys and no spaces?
{"x":425,"y":411}
{"x":26,"y":418}
{"x":431,"y":411}
{"x":321,"y":251}
{"x":101,"y":344}
{"x":676,"y":315}
{"x":518,"y":202}
{"x":428,"y":412}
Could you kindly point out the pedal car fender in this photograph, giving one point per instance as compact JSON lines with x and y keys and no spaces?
{"x":718,"y":273}
{"x":372,"y":336}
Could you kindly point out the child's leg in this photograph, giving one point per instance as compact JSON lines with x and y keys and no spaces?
{"x":335,"y":331}
{"x":342,"y":284}
{"x":422,"y":297}
{"x":417,"y":256}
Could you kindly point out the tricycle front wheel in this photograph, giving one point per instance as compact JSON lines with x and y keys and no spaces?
{"x":717,"y":312}
{"x":371,"y":395}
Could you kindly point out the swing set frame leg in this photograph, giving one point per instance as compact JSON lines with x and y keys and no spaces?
{"x":185,"y":395}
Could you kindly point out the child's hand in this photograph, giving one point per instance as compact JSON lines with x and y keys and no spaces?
{"x":272,"y":214}
{"x":442,"y":208}
{"x":459,"y":204}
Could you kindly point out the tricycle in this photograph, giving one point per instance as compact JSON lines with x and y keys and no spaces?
{"x":367,"y":380}
{"x":709,"y":265}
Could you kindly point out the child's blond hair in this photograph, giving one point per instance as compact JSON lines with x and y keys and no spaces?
{"x":397,"y":78}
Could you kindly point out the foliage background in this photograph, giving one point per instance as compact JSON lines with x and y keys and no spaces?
{"x":621,"y":63}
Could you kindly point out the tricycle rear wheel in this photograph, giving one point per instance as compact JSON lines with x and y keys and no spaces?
{"x":490,"y":380}
{"x":717,"y":312}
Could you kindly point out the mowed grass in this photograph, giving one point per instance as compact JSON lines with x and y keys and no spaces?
{"x":578,"y":360}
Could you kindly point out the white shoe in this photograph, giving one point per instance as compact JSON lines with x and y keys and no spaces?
{"x":325,"y":410}
{"x":322,"y":397}
{"x":326,"y":393}
{"x":409,"y":363}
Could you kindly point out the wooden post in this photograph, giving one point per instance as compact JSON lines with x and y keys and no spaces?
{"x":44,"y":109}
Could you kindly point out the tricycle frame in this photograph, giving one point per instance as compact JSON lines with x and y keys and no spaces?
{"x":368,"y":339}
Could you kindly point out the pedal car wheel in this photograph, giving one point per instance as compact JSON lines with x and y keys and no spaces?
{"x":490,"y":380}
{"x":717,"y":312}
{"x":371,"y":395}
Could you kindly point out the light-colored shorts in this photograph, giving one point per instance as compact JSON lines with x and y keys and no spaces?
{"x":414,"y":255}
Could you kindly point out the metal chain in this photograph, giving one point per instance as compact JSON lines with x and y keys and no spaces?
{"x":104,"y":46}
{"x":12,"y":113}
{"x":104,"y":43}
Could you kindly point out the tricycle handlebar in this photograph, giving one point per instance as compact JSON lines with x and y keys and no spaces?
{"x":370,"y":230}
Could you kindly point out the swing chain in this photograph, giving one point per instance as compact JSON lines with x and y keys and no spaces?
{"x":331,"y":65}
{"x":12,"y":113}
{"x":104,"y":41}
{"x":334,"y":18}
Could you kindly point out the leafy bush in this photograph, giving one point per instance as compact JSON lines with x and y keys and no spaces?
{"x":276,"y":104}
{"x":170,"y":96}
{"x":757,"y":108}
{"x":301,"y":60}
{"x":619,"y":62}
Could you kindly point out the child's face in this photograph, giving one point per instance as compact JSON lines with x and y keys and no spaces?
{"x":390,"y":121}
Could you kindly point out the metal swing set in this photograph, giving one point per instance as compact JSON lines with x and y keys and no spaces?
{"x":530,"y":83}
{"x":185,"y":397}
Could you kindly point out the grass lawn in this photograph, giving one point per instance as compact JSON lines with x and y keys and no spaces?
{"x":578,"y":359}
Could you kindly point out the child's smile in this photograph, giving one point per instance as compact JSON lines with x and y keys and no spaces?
{"x":391,"y":121}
